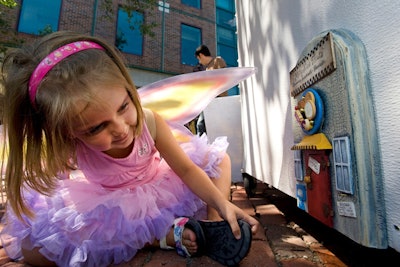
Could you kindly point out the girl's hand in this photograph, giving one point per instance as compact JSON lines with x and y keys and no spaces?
{"x":233,"y":213}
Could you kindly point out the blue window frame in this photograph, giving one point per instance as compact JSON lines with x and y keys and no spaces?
{"x":190,"y":40}
{"x":342,"y":164}
{"x":39,"y":16}
{"x":298,"y":166}
{"x":192,"y":3}
{"x":129,"y":38}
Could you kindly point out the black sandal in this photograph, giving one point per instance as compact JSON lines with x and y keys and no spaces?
{"x":215,"y":239}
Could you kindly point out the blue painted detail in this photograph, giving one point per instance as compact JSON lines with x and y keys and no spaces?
{"x":319,"y":116}
{"x":301,"y":194}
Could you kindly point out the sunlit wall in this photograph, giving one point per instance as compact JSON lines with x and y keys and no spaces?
{"x":271,"y":37}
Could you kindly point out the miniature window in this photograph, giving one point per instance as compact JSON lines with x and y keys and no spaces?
{"x":342,"y":164}
{"x":298,"y":166}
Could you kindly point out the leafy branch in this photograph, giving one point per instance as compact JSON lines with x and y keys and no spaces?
{"x":131,"y":6}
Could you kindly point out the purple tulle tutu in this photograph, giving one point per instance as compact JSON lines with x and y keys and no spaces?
{"x":103,"y":215}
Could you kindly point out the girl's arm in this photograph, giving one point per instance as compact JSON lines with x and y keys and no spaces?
{"x":196,"y":179}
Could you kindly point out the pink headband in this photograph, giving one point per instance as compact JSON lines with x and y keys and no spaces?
{"x":52,"y":59}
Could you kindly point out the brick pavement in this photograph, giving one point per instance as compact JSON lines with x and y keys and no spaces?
{"x":278,"y":244}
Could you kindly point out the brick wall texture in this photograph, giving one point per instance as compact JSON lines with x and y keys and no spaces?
{"x":161,"y":53}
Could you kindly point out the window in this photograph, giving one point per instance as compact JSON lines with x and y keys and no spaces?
{"x":226,"y":19}
{"x":298,"y":166}
{"x":301,"y":195}
{"x":190,"y":40}
{"x":227,"y":48}
{"x":228,"y":53}
{"x":342,"y":164}
{"x":226,"y":31}
{"x":39,"y":16}
{"x":192,"y":3}
{"x":226,"y":4}
{"x":129,"y":38}
{"x":226,"y":35}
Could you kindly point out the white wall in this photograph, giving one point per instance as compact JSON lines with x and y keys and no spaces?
{"x":271,"y":37}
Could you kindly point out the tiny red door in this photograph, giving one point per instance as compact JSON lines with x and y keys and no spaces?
{"x":319,"y":194}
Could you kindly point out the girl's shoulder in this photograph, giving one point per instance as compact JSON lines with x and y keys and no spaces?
{"x":150,"y":122}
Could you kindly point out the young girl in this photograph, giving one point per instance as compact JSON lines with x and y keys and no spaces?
{"x":71,"y":105}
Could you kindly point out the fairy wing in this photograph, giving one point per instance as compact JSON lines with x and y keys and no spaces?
{"x":180,"y":99}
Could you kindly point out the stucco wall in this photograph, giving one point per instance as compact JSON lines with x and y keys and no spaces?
{"x":271,"y":37}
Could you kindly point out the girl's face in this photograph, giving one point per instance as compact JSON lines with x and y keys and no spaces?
{"x":110,"y":126}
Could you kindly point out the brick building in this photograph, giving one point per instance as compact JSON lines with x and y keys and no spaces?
{"x":181,"y":25}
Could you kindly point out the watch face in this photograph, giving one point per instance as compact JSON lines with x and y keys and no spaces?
{"x":309,"y":110}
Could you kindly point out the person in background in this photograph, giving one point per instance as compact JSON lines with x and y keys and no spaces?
{"x":209,"y":62}
{"x":198,"y":67}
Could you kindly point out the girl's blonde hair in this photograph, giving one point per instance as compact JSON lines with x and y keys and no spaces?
{"x":40,"y":138}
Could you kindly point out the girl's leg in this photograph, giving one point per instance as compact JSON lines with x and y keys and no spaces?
{"x":223,"y":183}
{"x":188,"y":240}
{"x":33,"y":257}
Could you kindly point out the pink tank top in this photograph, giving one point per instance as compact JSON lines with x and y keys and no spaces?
{"x":139,"y":167}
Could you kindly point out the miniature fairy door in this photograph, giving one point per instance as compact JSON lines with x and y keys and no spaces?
{"x":318,"y":182}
